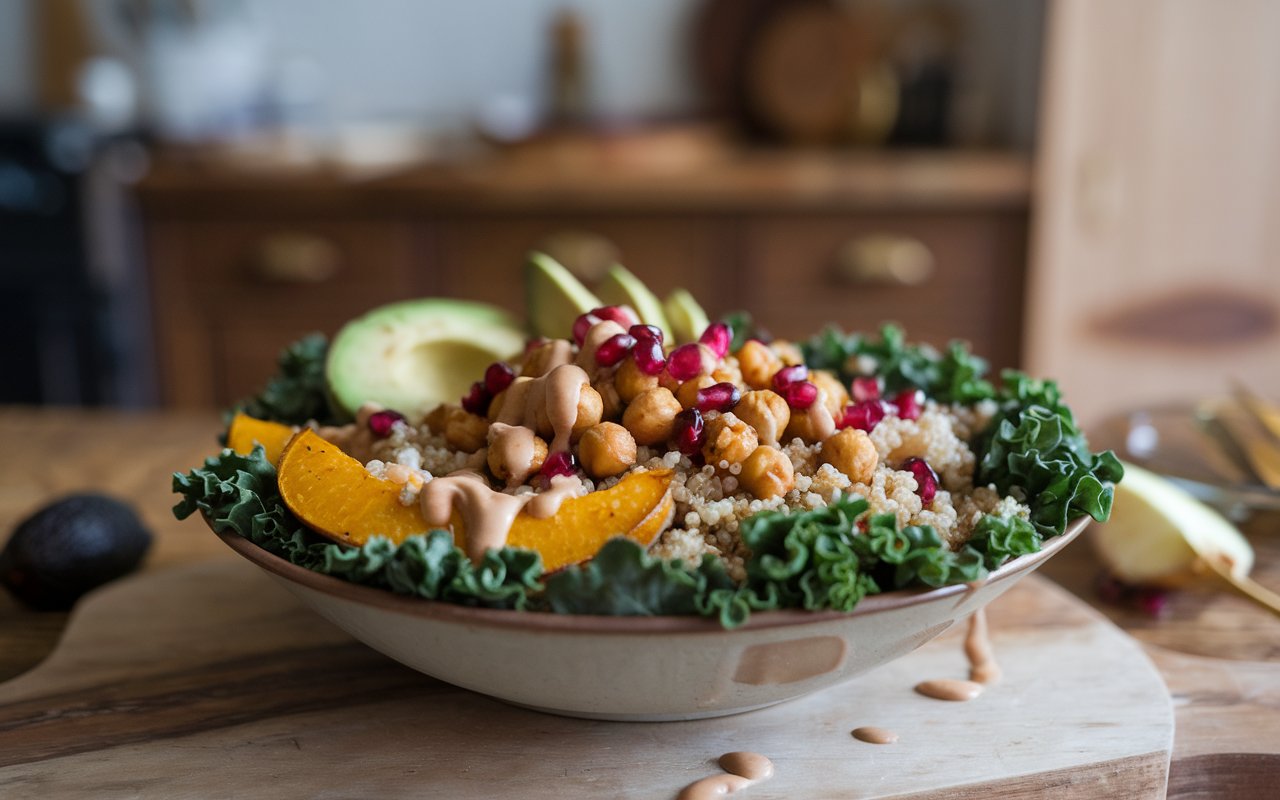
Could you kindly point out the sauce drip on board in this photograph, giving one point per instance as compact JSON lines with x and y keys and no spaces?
{"x":983,"y":669}
{"x":742,"y":768}
{"x":873,"y":735}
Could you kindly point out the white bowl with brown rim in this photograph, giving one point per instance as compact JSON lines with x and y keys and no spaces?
{"x":641,"y":668}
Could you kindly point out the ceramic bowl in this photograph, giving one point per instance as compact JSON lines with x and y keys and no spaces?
{"x":640,"y":668}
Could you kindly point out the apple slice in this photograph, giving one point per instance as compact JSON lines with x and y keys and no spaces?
{"x":245,"y":432}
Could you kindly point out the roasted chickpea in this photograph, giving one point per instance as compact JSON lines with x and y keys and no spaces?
{"x":514,"y":474}
{"x":837,"y":395}
{"x":606,"y":449}
{"x":767,"y":412}
{"x":812,"y":425}
{"x":767,"y":473}
{"x":651,"y":416}
{"x":729,"y":439}
{"x":631,"y":382}
{"x":851,"y":452}
{"x":590,"y":410}
{"x":758,"y":364}
{"x":535,"y":363}
{"x":728,"y":371}
{"x":787,"y":351}
{"x":465,"y":431}
{"x":610,"y":399}
{"x":687,"y":394}
{"x":436,"y":419}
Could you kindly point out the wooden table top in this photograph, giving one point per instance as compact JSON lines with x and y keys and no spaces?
{"x":1219,"y":655}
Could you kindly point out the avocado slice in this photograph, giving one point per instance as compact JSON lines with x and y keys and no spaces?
{"x":621,"y":287}
{"x":687,"y":318}
{"x":413,"y":355}
{"x":555,"y":298}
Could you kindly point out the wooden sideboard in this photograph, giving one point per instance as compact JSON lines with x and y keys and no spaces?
{"x":244,"y":261}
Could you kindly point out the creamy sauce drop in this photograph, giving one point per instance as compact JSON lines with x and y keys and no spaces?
{"x":977,"y":647}
{"x":743,"y":769}
{"x":513,"y":445}
{"x":548,"y":402}
{"x":873,"y":735}
{"x":488,"y":514}
{"x":600,"y":333}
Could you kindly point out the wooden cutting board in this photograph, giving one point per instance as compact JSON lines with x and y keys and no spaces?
{"x":211,"y":681}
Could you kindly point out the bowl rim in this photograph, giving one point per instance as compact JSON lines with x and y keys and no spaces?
{"x":439,"y":610}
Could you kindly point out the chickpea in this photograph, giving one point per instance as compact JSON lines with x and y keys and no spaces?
{"x":687,"y":394}
{"x":788,"y":352}
{"x":608,"y":392}
{"x":767,"y":412}
{"x":465,"y":431}
{"x":590,"y":411}
{"x":436,"y":419}
{"x":536,"y":362}
{"x":606,"y":449}
{"x":837,"y":395}
{"x":803,"y":425}
{"x":729,"y":439}
{"x":767,"y":473}
{"x":521,"y":472}
{"x":651,"y":417}
{"x":851,"y":452}
{"x":728,"y":371}
{"x":631,"y":382}
{"x":758,"y":364}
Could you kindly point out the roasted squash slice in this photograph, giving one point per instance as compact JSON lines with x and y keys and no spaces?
{"x":333,"y":494}
{"x":245,"y":431}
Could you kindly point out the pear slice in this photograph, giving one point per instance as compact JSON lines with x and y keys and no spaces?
{"x":687,"y":318}
{"x":620,"y":287}
{"x":1159,"y":534}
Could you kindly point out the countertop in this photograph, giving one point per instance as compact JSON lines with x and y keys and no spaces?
{"x":1219,"y":655}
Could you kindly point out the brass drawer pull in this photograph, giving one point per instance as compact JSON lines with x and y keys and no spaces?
{"x":885,"y":259}
{"x":298,"y":258}
{"x":587,"y":255}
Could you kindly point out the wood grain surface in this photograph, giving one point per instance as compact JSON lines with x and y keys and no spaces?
{"x":1217,"y":653}
{"x":213,"y":680}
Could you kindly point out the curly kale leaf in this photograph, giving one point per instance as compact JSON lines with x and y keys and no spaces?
{"x":240,"y":494}
{"x":1000,"y":539}
{"x":1033,"y":450}
{"x":623,"y":580}
{"x":954,"y":376}
{"x":299,"y":391}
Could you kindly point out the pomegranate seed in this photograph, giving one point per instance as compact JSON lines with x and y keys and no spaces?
{"x":685,"y":362}
{"x":614,"y":349}
{"x":557,"y":464}
{"x":910,"y":402}
{"x":498,"y":376}
{"x":789,"y":375}
{"x":864,"y":415}
{"x":718,"y":336}
{"x":866,"y":388}
{"x":1152,"y":602}
{"x":689,"y":432}
{"x":381,"y":422}
{"x":718,"y":397}
{"x":581,"y":325}
{"x":622,"y":315}
{"x":477,"y":400}
{"x":926,"y":479}
{"x":646,"y":333}
{"x":648,"y":356}
{"x":799,"y":395}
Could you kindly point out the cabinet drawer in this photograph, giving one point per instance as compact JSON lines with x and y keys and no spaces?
{"x":484,"y":257}
{"x":943,"y":276}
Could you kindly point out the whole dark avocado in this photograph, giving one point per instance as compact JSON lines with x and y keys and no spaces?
{"x":69,"y":547}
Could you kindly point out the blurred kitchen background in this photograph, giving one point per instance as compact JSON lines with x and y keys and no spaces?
{"x":1087,"y":189}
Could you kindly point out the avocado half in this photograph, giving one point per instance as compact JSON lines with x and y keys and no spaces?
{"x":413,"y":355}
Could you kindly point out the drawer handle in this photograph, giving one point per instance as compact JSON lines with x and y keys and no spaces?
{"x":298,"y":258}
{"x":884,"y":259}
{"x":587,"y":255}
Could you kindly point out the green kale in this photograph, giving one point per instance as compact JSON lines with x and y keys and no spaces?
{"x":954,"y":376}
{"x":240,"y":494}
{"x":744,"y":327}
{"x":299,"y":391}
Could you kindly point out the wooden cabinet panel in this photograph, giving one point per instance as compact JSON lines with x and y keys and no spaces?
{"x":484,"y":257}
{"x":231,"y":294}
{"x":804,"y":272}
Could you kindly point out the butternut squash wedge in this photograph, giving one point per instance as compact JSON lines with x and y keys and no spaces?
{"x":245,"y":431}
{"x":333,"y":494}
